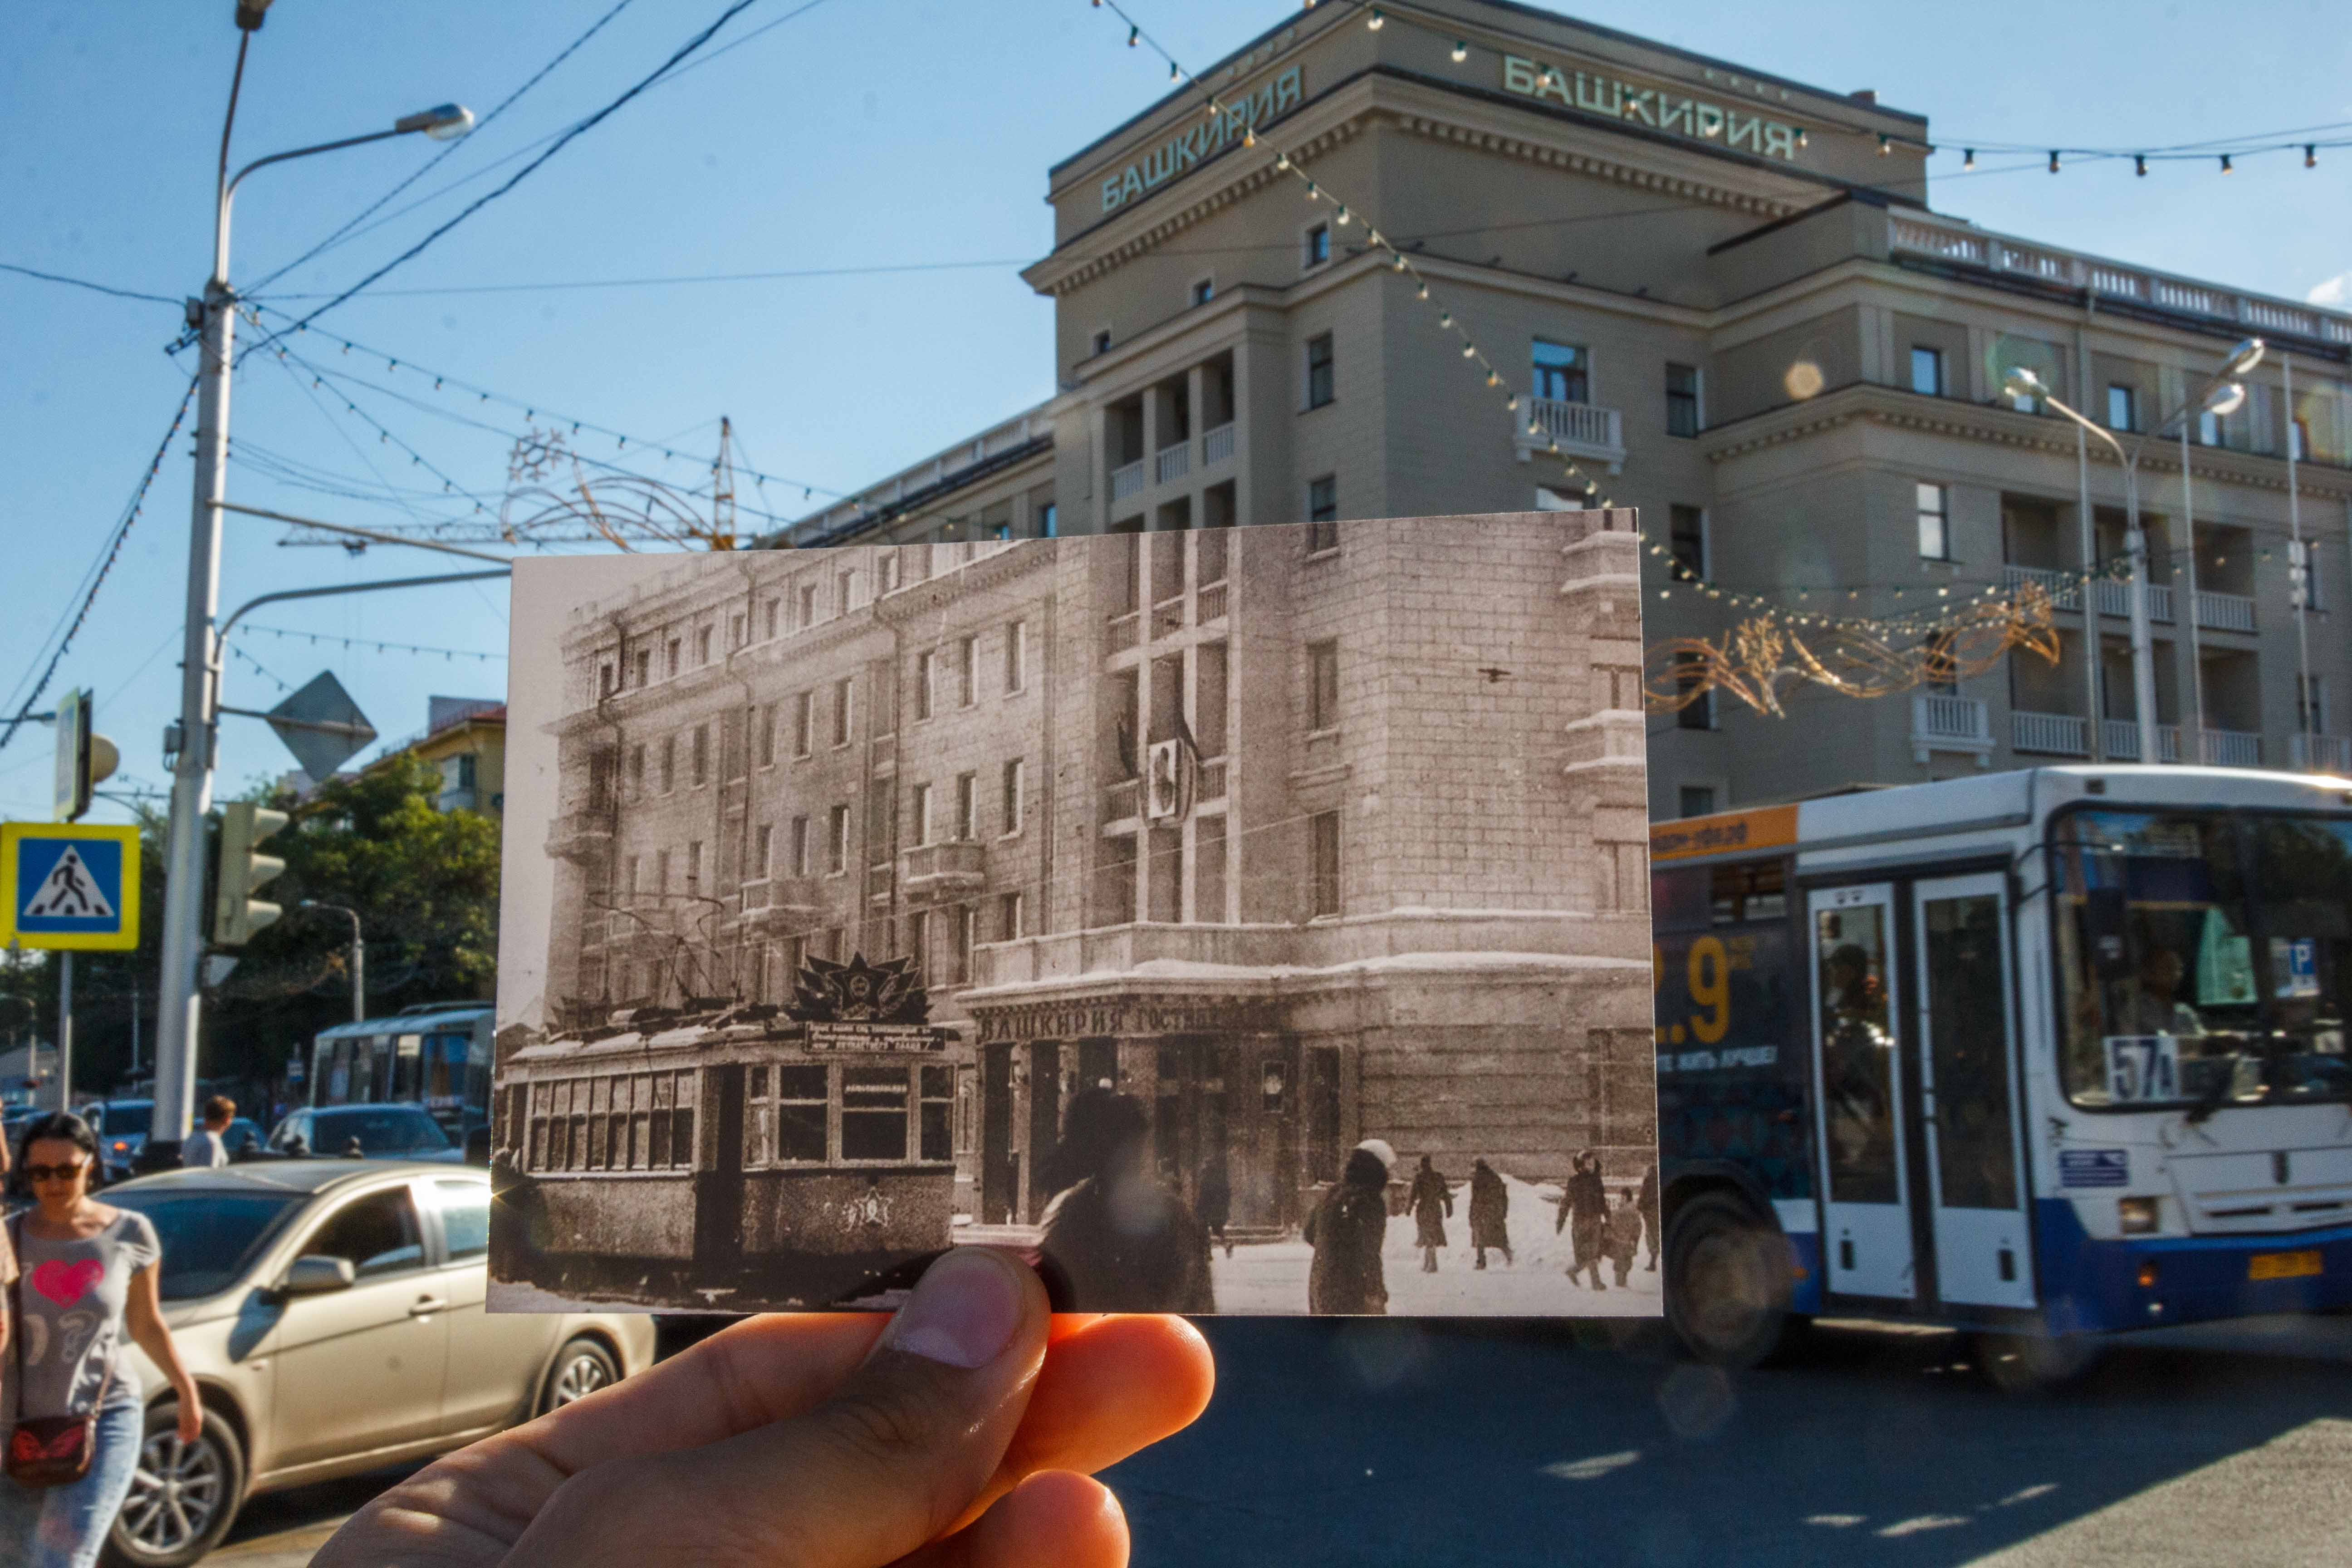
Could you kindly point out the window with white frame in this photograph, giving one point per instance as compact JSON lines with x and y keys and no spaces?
{"x":920,"y":798}
{"x":1016,"y":658}
{"x":837,"y":841}
{"x":926,"y":682}
{"x":1934,"y":502}
{"x":1927,"y":378}
{"x":1014,"y":801}
{"x":1562,"y":371}
{"x":967,"y":808}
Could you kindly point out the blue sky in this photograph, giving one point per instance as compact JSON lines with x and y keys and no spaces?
{"x":863,"y":134}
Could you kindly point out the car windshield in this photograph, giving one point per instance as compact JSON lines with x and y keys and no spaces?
{"x":210,"y":1239}
{"x":126,"y":1118}
{"x":2206,"y":957}
{"x":389,"y":1130}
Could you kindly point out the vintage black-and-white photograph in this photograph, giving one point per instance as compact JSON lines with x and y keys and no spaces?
{"x":1242,"y":919}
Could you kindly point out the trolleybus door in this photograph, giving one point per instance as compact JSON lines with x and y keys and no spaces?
{"x":1968,"y":1093}
{"x":1858,"y":1091}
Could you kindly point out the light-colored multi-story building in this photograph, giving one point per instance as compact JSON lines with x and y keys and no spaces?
{"x":1298,"y":834}
{"x":1730,"y":299}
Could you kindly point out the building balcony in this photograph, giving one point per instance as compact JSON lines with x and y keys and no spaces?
{"x":581,"y":836}
{"x":1212,"y":602}
{"x":1127,"y":480}
{"x":2113,"y":598}
{"x":1943,"y":723}
{"x":2230,"y":749}
{"x":1582,"y":429}
{"x":1122,"y":632}
{"x":779,"y":906}
{"x":1217,"y":445}
{"x":1122,"y":800}
{"x":2064,"y":735}
{"x":2225,"y":612}
{"x":2320,"y":753}
{"x":944,"y":870}
{"x":2121,"y":738}
{"x":1173,"y":462}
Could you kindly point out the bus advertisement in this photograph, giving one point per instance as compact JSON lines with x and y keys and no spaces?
{"x":2046,"y":1054}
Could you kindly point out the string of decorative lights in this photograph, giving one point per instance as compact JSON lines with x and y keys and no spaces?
{"x":96,"y":577}
{"x":1942,"y":602}
{"x":281,"y":683}
{"x":383,"y":435}
{"x":371,"y":642}
{"x":2308,"y":139}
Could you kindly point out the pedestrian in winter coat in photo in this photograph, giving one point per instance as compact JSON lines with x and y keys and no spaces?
{"x":1650,"y":1226}
{"x":1346,"y":1229}
{"x":1433,"y":1205}
{"x":1585,"y":1212}
{"x":1116,"y":1239}
{"x":1217,"y":1194}
{"x":1490,"y":1209}
{"x":1625,"y":1234}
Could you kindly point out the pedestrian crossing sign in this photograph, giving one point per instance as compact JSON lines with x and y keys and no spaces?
{"x":69,"y":884}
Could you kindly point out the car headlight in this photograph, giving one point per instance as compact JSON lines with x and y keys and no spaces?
{"x":2139,"y":1216}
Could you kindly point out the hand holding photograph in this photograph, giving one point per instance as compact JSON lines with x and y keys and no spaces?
{"x":1240,"y":920}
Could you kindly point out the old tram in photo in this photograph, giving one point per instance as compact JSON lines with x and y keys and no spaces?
{"x":758,"y":1155}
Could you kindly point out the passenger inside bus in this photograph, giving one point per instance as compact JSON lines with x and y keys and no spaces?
{"x":1857,"y":1059}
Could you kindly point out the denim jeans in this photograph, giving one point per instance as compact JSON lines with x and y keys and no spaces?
{"x":63,"y":1527}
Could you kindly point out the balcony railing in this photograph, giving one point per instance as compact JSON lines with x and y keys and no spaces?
{"x":1173,"y":462}
{"x":2114,"y":598}
{"x":2225,"y":612}
{"x":1943,"y":723}
{"x":1213,"y":601}
{"x":1122,"y":632}
{"x":1217,"y":445}
{"x":2320,"y":753}
{"x":1958,"y":242}
{"x":2121,"y":736}
{"x":1120,"y":800}
{"x":580,"y":836}
{"x":2231,"y":749}
{"x":1582,"y":430}
{"x":943,"y":870}
{"x":1168,"y":616}
{"x":2055,"y":734}
{"x":1127,"y":479}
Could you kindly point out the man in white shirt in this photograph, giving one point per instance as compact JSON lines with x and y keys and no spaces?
{"x":206,"y":1146}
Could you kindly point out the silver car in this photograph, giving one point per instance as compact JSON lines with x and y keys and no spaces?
{"x":331,"y":1311}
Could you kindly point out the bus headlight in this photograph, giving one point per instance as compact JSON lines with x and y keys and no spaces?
{"x":2138,"y":1214}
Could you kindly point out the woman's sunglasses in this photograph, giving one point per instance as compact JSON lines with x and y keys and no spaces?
{"x":56,"y":1172}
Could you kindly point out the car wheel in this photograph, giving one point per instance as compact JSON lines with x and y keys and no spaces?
{"x":582,"y":1367}
{"x":184,"y":1496}
{"x":1726,"y":1282}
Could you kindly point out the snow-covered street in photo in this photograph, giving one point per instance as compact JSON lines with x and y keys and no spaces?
{"x":1271,"y":1277}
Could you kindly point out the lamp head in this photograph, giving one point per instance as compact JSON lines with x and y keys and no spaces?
{"x":2244,"y":357}
{"x":249,"y":15}
{"x":443,"y":122}
{"x":2023,"y":383}
{"x":2225,"y":398}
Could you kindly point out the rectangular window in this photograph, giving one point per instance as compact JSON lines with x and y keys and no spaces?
{"x":693,"y":870}
{"x":1686,"y":541}
{"x":1927,"y":371}
{"x":1682,"y":400}
{"x":644,"y":667}
{"x":2120,"y":410}
{"x":1204,"y":291}
{"x":2298,"y":440}
{"x":800,"y":1113}
{"x":775,"y":616}
{"x":837,"y":841}
{"x":842,"y":713}
{"x":967,"y":817}
{"x":967,"y":937}
{"x":1322,"y":514}
{"x":607,"y":681}
{"x":701,"y":755}
{"x":1013,"y":797}
{"x":763,"y":847}
{"x":887,"y":575}
{"x":668,"y":763}
{"x":801,"y":847}
{"x":1324,"y":825}
{"x":844,"y":591}
{"x":702,"y":646}
{"x":2209,"y":429}
{"x":938,"y":1134}
{"x":1699,"y":713}
{"x":1049,"y":521}
{"x":735,"y":637}
{"x":1017,"y":657}
{"x":926,"y":682}
{"x":1698,"y":800}
{"x":1935,"y":523}
{"x":637,"y":769}
{"x":1322,"y":685}
{"x":768,"y":736}
{"x":874,"y":1113}
{"x":1009,"y":913}
{"x":1319,"y":246}
{"x":1562,"y":372}
{"x":807,"y":605}
{"x":920,"y":798}
{"x":803,"y":724}
{"x":1319,"y":370}
{"x":661,"y":876}
{"x":674,"y":652}
{"x":1102,"y":340}
{"x":967,"y":672}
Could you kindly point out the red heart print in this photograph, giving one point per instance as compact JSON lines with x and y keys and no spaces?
{"x":66,"y":1283}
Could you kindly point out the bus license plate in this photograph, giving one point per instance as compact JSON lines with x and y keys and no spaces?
{"x":2281,"y":1265}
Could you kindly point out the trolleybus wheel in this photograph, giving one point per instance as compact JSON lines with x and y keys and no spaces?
{"x":1726,"y":1282}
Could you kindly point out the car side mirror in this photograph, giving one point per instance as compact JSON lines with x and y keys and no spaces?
{"x":312,"y":1274}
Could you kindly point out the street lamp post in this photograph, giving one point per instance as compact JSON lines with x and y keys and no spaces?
{"x":359,"y":956}
{"x":214,"y":318}
{"x":2219,"y":396}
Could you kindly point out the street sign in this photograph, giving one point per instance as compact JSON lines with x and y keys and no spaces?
{"x":321,"y":725}
{"x":69,"y":884}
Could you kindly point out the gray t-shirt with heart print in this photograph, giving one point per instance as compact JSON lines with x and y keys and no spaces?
{"x":73,"y":1296}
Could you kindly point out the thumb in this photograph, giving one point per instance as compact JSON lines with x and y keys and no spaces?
{"x":893,"y":1458}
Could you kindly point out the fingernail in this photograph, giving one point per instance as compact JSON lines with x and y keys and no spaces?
{"x":963,"y":1311}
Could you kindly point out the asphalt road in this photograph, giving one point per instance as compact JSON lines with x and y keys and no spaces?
{"x":1392,"y":1442}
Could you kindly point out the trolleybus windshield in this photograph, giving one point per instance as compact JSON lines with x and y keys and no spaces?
{"x":2204,"y":958}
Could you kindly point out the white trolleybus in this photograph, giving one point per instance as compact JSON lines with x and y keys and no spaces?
{"x":2047,"y":1054}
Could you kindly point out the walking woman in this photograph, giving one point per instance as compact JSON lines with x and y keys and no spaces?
{"x":1346,"y":1229}
{"x":1433,"y":1205}
{"x":86,"y":1280}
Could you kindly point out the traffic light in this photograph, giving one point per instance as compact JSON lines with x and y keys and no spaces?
{"x":85,"y":758}
{"x":237,"y":913}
